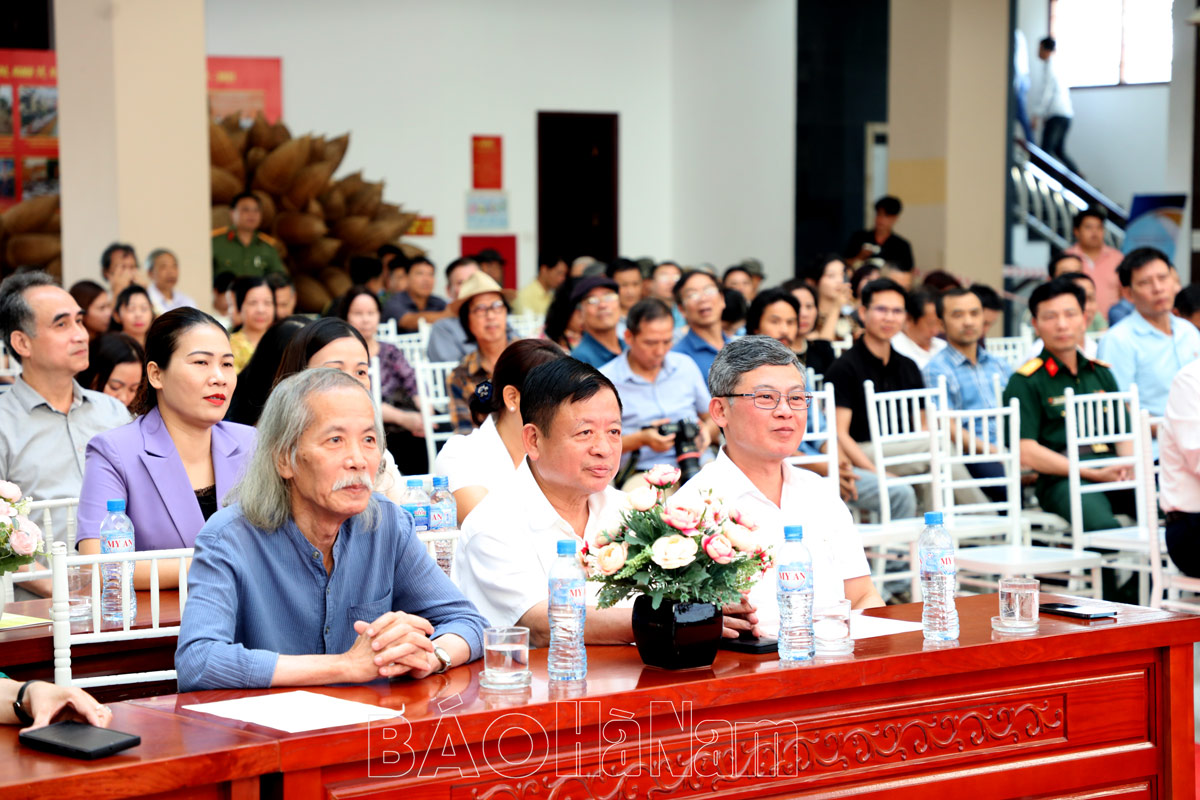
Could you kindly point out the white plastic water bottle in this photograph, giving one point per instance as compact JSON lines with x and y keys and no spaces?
{"x":416,"y":502}
{"x":567,"y":659}
{"x":794,"y":589}
{"x":443,"y":511}
{"x":939,"y":618}
{"x":116,"y":536}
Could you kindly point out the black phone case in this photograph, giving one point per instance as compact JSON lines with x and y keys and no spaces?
{"x":79,"y":740}
{"x":755,"y":646}
{"x":1070,"y":611}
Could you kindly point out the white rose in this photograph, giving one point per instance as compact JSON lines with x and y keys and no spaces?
{"x":10,"y":491}
{"x":741,"y":537}
{"x":643,"y":498}
{"x":674,"y":551}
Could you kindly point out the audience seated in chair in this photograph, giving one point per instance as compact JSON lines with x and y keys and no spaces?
{"x":1087,"y":344}
{"x":826,"y":274}
{"x":1149,"y":347}
{"x":761,"y":405}
{"x":163,"y":268}
{"x":96,"y":303}
{"x":47,"y":418}
{"x":815,"y":354}
{"x":308,"y":536}
{"x":132,"y":313}
{"x":628,"y":277}
{"x":1099,"y":260}
{"x":255,"y":381}
{"x":115,"y":365}
{"x":738,"y":278}
{"x":597,"y":298}
{"x":702,"y":303}
{"x":417,"y":301}
{"x":919,"y":339}
{"x":254,"y":301}
{"x":483,"y":314}
{"x":487,"y":457}
{"x":656,"y":386}
{"x":285,"y":293}
{"x":174,"y":463}
{"x":535,"y":296}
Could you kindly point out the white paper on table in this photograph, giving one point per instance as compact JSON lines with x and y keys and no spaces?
{"x":294,"y":712}
{"x":864,"y":627}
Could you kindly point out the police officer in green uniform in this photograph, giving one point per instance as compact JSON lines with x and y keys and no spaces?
{"x":1040,"y":386}
{"x":241,"y":249}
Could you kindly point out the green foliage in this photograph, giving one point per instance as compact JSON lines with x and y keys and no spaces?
{"x":13,"y":563}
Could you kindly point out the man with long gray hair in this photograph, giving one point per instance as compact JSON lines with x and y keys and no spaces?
{"x":760,"y":403}
{"x":308,"y":578}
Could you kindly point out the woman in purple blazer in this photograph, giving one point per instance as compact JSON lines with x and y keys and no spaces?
{"x":174,"y":462}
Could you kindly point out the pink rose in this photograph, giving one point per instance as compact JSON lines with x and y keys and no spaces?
{"x":662,"y":475}
{"x":718,"y":548}
{"x":25,"y":537}
{"x":643,"y":498}
{"x":681,"y":517}
{"x":743,"y":519}
{"x":611,"y":558}
{"x":741,"y":537}
{"x":674,"y":551}
{"x":10,"y":491}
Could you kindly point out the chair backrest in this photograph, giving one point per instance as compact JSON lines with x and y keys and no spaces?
{"x":65,"y":639}
{"x":813,"y":381}
{"x":376,"y":384}
{"x":387,"y":328}
{"x":981,"y":436}
{"x":903,"y":421}
{"x":441,"y":546}
{"x":1012,"y":349}
{"x":58,"y":521}
{"x":822,"y":434}
{"x":527,"y":325}
{"x":841,"y":346}
{"x":1104,"y":421}
{"x":434,"y":391}
{"x":410,"y":344}
{"x":423,"y":327}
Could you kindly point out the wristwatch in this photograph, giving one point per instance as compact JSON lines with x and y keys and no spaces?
{"x":19,"y":708}
{"x":443,"y":657}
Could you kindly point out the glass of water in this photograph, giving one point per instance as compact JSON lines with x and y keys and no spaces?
{"x":505,"y":658}
{"x":1019,"y":603}
{"x":831,"y":629}
{"x":79,"y":587}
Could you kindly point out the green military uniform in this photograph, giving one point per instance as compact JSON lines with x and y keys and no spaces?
{"x":230,"y":255}
{"x":1039,"y":386}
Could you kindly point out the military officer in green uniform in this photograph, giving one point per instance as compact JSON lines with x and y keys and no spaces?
{"x":1040,"y":385}
{"x":241,"y":249}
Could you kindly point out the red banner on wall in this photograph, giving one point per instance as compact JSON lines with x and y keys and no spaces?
{"x":487,"y":162}
{"x":245,"y":86}
{"x":504,"y":244}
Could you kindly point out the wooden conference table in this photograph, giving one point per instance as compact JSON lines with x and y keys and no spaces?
{"x":1080,"y":709}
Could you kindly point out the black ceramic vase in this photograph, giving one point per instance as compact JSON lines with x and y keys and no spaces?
{"x":676,"y":635}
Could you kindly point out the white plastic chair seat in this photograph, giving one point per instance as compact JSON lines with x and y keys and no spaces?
{"x":1130,"y":540}
{"x":1008,"y":559}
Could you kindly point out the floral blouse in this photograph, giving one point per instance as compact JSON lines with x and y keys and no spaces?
{"x":461,"y":384}
{"x":397,"y":378}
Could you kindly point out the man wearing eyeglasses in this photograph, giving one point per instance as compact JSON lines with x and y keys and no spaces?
{"x":596,"y":296}
{"x":761,"y":405}
{"x":703,"y":303}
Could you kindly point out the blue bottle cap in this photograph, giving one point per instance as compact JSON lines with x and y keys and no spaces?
{"x":566,"y":547}
{"x":116,"y":505}
{"x":933,"y":518}
{"x":440,"y":480}
{"x":417,"y":482}
{"x":793,"y":533}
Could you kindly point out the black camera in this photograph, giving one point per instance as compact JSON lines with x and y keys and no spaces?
{"x":687,"y":456}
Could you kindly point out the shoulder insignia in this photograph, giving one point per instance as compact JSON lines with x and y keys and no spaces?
{"x":271,"y":240}
{"x":1097,"y":362}
{"x":221,"y":231}
{"x":1031,"y":366}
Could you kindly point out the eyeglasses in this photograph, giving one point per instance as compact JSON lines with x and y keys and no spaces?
{"x":768,"y":399}
{"x":602,"y":300}
{"x":494,"y":307}
{"x":692,"y":297}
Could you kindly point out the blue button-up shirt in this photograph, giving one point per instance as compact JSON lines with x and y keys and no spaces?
{"x":253,"y":595}
{"x":590,"y":351}
{"x":698,"y":350}
{"x":677,"y":392}
{"x":1140,"y":354}
{"x":969,"y":386}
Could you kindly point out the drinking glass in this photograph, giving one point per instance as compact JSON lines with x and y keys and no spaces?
{"x":831,"y":628}
{"x":1019,"y":603}
{"x":505,"y":658}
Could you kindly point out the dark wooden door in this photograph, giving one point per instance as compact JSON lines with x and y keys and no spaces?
{"x":577,"y":184}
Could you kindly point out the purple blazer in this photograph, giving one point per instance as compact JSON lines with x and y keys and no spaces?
{"x":139,"y":462}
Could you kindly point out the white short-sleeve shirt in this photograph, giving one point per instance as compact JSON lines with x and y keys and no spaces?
{"x":807,"y":500}
{"x":509,"y":542}
{"x":477,"y":459}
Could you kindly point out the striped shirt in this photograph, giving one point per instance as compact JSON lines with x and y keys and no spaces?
{"x":253,"y":595}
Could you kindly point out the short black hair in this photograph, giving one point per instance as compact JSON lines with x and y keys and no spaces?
{"x":162,"y":340}
{"x":687,"y":275}
{"x":815,"y":270}
{"x":735,"y":306}
{"x":364,"y":269}
{"x":644,"y":311}
{"x":859,"y":275}
{"x":1090,"y":211}
{"x":389,"y":250}
{"x":551,"y":260}
{"x":243,"y":285}
{"x":279,"y":280}
{"x":768,"y":298}
{"x":622,"y":265}
{"x":1075,"y":276}
{"x":988,"y":296}
{"x":881,"y":285}
{"x":563,"y":380}
{"x":341,"y":309}
{"x":240,"y":196}
{"x":1048,"y":43}
{"x":1056,"y":288}
{"x":940,"y":300}
{"x":410,"y":263}
{"x":459,"y":262}
{"x":916,"y":301}
{"x":1136,"y":259}
{"x":223,"y":280}
{"x":107,"y":256}
{"x":889,"y":205}
{"x":1052,"y":267}
{"x":735,"y":268}
{"x":15,"y":312}
{"x":105,"y":352}
{"x":1187,"y":300}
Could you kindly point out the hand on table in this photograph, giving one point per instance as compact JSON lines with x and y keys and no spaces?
{"x":50,"y":703}
{"x":393,"y":645}
{"x":740,"y":617}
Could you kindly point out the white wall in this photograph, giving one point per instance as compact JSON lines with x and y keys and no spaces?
{"x":734,"y":154}
{"x":1119,"y":139}
{"x":1181,"y":123}
{"x":413,"y":81}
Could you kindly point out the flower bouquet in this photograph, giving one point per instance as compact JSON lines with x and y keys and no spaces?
{"x":697,"y":557}
{"x":20,"y":538}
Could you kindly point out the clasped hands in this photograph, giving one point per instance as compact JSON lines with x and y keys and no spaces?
{"x":395,"y":644}
{"x":740,"y":617}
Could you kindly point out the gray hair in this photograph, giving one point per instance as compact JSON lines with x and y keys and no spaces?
{"x":745,"y":355}
{"x":265,"y":496}
{"x":15,"y":312}
{"x":155,"y":253}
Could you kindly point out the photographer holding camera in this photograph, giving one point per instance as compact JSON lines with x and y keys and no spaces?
{"x":661,"y":392}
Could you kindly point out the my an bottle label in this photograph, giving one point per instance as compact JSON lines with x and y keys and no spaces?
{"x":794,"y":578}
{"x":938,"y":561}
{"x":570,"y":594}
